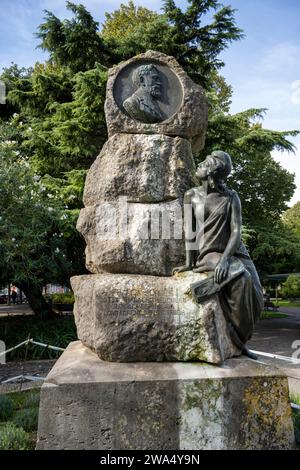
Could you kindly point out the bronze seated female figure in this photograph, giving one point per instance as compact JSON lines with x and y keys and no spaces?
{"x":214,"y":245}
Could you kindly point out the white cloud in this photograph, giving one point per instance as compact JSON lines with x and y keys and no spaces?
{"x":295,"y":98}
{"x":291,"y":162}
{"x":278,"y":94}
{"x":281,"y":57}
{"x":260,"y":92}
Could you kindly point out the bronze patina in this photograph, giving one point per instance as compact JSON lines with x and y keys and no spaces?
{"x":214,"y":245}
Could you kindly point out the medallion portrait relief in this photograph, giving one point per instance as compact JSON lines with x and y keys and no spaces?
{"x":148,"y":92}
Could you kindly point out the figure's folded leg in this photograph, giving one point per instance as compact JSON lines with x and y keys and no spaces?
{"x":237,"y":304}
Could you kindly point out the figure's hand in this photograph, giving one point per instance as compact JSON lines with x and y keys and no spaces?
{"x":181,"y":269}
{"x":221,"y":270}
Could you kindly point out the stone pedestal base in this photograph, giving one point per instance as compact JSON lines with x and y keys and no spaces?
{"x":87,"y":403}
{"x":135,"y":318}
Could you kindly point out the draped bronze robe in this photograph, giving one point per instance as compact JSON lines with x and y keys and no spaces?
{"x":241,"y":298}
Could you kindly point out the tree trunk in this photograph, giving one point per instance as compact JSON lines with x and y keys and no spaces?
{"x":36,"y":300}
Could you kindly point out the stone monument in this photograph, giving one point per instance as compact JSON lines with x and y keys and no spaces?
{"x":157,"y":365}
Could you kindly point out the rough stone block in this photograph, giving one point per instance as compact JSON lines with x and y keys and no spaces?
{"x":129,"y":318}
{"x":90,"y":404}
{"x":144,"y":168}
{"x":136,"y":238}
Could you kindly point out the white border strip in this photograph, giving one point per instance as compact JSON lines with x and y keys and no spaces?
{"x":277,"y":356}
{"x":43,"y":345}
{"x":33,"y":378}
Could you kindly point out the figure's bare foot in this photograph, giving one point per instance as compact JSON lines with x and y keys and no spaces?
{"x":248,"y":353}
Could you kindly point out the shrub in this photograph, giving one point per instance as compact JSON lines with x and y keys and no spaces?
{"x":295,"y":398}
{"x":27,"y":419}
{"x":14,"y":438}
{"x":6,"y":407}
{"x":58,"y":332}
{"x":296,"y":421}
{"x":66,"y":298}
{"x":291,"y":287}
{"x":32,"y":401}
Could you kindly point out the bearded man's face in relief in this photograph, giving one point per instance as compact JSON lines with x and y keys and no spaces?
{"x":152,"y":84}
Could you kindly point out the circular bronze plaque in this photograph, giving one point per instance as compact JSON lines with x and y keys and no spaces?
{"x":148,"y":91}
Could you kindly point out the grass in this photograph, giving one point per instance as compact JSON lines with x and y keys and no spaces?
{"x":57,"y":332}
{"x":25,"y":398}
{"x":13,"y":437}
{"x":26,"y":401}
{"x":294,"y":398}
{"x":6,"y":408}
{"x":288,"y":303}
{"x":270,"y":314}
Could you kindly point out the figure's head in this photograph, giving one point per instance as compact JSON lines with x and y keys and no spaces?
{"x":148,"y":77}
{"x":215,"y":168}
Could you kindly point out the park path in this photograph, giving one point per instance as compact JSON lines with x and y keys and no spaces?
{"x":291,"y":310}
{"x":277,"y":336}
{"x":14,"y":369}
{"x":15,"y":310}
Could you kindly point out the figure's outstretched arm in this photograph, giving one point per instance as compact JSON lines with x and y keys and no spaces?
{"x":235,"y":228}
{"x":189,"y":233}
{"x":234,"y":239}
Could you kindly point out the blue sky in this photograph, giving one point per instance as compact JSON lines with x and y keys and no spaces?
{"x":263,"y":68}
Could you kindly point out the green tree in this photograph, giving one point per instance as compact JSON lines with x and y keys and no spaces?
{"x":291,"y":219}
{"x":263,"y":185}
{"x":122,"y":23}
{"x":195,"y":37}
{"x":291,"y":287}
{"x":34,"y":227}
{"x":62,"y":115}
{"x":274,"y":249}
{"x":73,"y":43}
{"x":62,"y":101}
{"x":11,"y":77}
